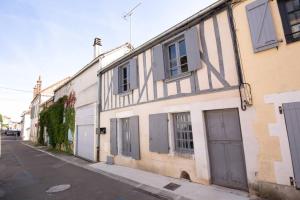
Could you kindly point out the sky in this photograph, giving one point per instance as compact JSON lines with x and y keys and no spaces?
{"x":53,"y":38}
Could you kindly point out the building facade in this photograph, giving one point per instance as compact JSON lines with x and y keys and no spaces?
{"x":268,"y":34}
{"x":218,"y":89}
{"x":40,"y":96}
{"x":84,"y":86}
{"x":25,"y":125}
{"x":173,"y":106}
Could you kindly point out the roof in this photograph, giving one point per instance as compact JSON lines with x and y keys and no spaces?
{"x":187,"y":23}
{"x":61,"y":82}
{"x":94,"y":61}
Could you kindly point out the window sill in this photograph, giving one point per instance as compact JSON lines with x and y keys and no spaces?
{"x":125,"y":93}
{"x":181,"y":76}
{"x":185,"y":155}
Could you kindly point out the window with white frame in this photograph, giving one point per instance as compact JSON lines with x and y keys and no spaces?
{"x":183,"y":134}
{"x":124,"y":78}
{"x":126,"y":139}
{"x":177,"y":58}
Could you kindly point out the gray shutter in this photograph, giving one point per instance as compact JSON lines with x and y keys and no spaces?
{"x":261,"y":25}
{"x":115,"y":80}
{"x":113,"y":137}
{"x":133,"y":77}
{"x":134,"y":137}
{"x":158,"y":66}
{"x":158,"y":133}
{"x":192,"y":48}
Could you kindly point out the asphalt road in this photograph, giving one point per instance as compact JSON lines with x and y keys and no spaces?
{"x":26,"y":174}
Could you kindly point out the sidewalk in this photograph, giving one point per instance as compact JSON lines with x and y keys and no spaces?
{"x":151,"y":183}
{"x":187,"y":189}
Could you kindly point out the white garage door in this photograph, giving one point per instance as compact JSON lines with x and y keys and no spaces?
{"x":85,"y":132}
{"x":85,"y":141}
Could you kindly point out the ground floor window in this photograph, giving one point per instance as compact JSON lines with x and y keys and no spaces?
{"x":183,"y":133}
{"x":126,"y":144}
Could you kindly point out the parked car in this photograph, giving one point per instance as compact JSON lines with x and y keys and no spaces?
{"x":13,"y":132}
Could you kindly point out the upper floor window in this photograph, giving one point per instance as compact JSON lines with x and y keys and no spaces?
{"x":290,"y":14}
{"x":177,"y":58}
{"x":124,"y":78}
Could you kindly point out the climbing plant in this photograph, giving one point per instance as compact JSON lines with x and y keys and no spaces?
{"x":58,"y":118}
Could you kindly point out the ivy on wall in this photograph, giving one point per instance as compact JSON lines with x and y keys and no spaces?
{"x":58,"y":119}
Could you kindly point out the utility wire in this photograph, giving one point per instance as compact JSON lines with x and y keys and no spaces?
{"x":24,"y":91}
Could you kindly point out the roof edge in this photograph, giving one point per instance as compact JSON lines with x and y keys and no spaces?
{"x":188,"y":22}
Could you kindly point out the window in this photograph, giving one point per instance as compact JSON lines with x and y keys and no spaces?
{"x":183,"y":133}
{"x":126,"y":143}
{"x":124,"y":78}
{"x":290,"y":14}
{"x":177,"y":58}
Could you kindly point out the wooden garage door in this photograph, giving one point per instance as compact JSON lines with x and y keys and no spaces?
{"x":225,"y":148}
{"x":292,"y":120}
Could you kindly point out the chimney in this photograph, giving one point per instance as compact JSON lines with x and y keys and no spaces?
{"x":97,"y":47}
{"x":39,"y":85}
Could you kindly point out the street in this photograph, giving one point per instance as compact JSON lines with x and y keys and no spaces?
{"x":27,"y":174}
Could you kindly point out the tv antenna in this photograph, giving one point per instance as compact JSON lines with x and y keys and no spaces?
{"x":128,"y":15}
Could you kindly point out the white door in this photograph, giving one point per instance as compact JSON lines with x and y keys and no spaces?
{"x":85,"y":132}
{"x":85,"y":141}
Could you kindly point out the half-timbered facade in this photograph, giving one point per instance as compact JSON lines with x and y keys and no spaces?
{"x":172,"y":105}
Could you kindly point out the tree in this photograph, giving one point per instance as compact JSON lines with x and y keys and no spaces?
{"x":1,"y":119}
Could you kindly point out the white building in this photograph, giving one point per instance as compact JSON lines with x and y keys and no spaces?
{"x":84,"y":85}
{"x":25,"y":125}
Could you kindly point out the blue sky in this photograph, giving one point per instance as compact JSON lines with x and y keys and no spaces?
{"x":53,"y":38}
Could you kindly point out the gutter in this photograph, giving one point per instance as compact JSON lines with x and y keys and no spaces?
{"x":187,"y":23}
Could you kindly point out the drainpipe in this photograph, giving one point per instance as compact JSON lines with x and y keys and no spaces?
{"x":244,"y":88}
{"x":98,"y":111}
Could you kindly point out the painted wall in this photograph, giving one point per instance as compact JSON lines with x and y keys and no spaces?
{"x":200,"y":91}
{"x":274,"y":78}
{"x":172,"y":164}
{"x":26,"y":123}
{"x":85,"y":86}
{"x":215,"y":43}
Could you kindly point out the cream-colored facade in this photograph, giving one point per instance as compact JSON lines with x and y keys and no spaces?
{"x":274,"y":77}
{"x":212,"y":85}
{"x":228,"y":61}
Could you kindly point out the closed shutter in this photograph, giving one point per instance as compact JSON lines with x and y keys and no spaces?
{"x":134,"y":137}
{"x":133,"y":77}
{"x":158,"y":66}
{"x":113,"y":137}
{"x":192,"y":48}
{"x":158,"y":133}
{"x":261,"y":25}
{"x":115,"y":81}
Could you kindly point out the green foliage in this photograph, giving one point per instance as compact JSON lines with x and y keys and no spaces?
{"x":58,"y":119}
{"x":1,"y":119}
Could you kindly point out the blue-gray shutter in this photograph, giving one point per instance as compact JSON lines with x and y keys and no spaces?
{"x":133,"y":71}
{"x":192,"y":48}
{"x":261,"y":25}
{"x":134,"y":137}
{"x":292,"y":120}
{"x":115,"y":81}
{"x":158,"y":66}
{"x":113,"y":137}
{"x":158,"y":133}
